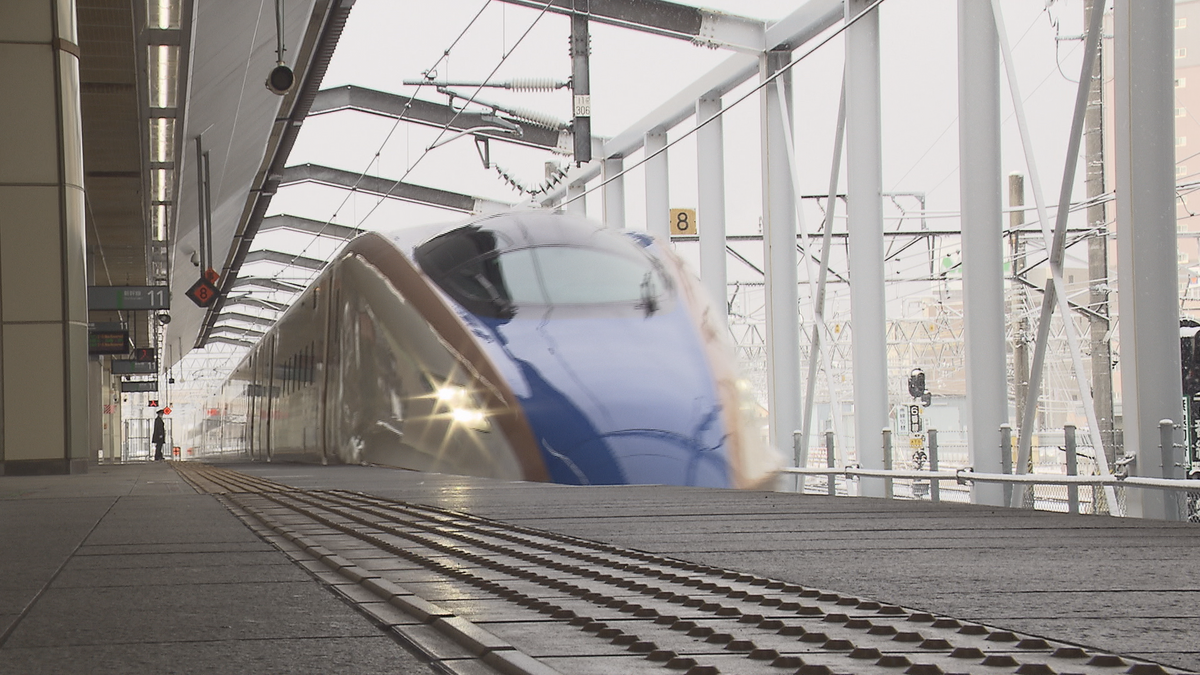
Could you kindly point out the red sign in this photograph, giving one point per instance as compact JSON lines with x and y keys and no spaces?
{"x":152,"y":403}
{"x":143,"y":354}
{"x":211,"y":276}
{"x":167,"y":410}
{"x":203,"y":293}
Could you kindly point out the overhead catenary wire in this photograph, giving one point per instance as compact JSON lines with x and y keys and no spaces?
{"x":395,"y":124}
{"x":785,"y":68}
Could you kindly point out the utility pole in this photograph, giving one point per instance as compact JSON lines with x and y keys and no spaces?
{"x":1020,"y":308}
{"x":1093,"y":129}
{"x":581,"y":127}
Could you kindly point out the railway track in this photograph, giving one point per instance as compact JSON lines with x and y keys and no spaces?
{"x":520,"y":601}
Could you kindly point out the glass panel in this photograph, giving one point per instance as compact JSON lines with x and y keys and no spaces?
{"x":162,"y":139}
{"x":164,"y":64}
{"x":159,"y":215}
{"x":160,"y":185}
{"x":162,"y":13}
{"x":574,"y":276}
{"x":521,"y":279}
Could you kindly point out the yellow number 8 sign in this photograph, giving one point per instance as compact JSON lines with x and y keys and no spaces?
{"x":683,"y":221}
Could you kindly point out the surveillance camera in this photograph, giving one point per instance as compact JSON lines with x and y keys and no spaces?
{"x":164,"y":319}
{"x":195,"y":259}
{"x":280,"y":80}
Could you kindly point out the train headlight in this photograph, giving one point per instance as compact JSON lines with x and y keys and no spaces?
{"x":465,"y":408}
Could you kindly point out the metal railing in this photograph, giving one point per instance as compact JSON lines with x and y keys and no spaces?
{"x":926,"y":483}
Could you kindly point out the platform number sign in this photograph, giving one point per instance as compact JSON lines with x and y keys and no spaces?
{"x":914,"y":419}
{"x":683,"y":221}
{"x":203,"y":293}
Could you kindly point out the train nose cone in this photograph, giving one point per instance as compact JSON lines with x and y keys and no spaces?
{"x":626,"y":399}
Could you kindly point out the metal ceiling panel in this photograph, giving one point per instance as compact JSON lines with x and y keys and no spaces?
{"x":240,"y":123}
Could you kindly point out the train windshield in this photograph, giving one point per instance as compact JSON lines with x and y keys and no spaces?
{"x":498,"y":284}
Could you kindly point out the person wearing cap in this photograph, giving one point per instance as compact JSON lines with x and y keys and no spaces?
{"x":159,"y":437}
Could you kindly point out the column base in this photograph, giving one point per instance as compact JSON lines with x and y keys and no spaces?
{"x":43,"y":467}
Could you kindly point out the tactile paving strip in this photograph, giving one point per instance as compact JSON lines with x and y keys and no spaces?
{"x":542,"y":602}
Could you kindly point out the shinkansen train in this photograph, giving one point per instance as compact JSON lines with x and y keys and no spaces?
{"x":527,"y":345}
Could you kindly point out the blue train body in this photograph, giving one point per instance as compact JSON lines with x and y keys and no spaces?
{"x":526,"y":345}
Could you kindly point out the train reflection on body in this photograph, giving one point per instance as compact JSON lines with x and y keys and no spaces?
{"x":527,"y":345}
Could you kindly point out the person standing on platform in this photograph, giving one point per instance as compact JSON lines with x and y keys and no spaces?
{"x":159,"y":437}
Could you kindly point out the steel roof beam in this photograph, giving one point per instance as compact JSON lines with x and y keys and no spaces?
{"x":384,"y":187}
{"x":702,"y":26}
{"x":234,"y":330}
{"x":286,"y":259}
{"x":790,"y":32}
{"x":308,"y":226}
{"x":267,"y":284}
{"x":440,"y":115}
{"x":250,"y":301}
{"x":244,"y":318}
{"x":221,"y":339}
{"x":799,"y":27}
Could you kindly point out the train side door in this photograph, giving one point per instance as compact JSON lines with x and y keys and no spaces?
{"x":332,"y":361}
{"x":251,"y":409}
{"x":270,"y":393}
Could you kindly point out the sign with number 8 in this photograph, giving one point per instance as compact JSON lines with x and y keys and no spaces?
{"x":683,"y":221}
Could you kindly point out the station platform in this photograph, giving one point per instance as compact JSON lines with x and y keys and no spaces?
{"x":268,"y":568}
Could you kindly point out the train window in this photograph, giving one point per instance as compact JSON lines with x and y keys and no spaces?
{"x":584,"y":276}
{"x":473,"y":266}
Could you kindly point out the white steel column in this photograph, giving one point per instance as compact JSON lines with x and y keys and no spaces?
{"x":614,"y":192}
{"x":710,"y":177}
{"x":982,"y":241}
{"x":658,"y":199}
{"x":779,"y":242}
{"x":864,"y":188}
{"x":1148,"y":288}
{"x":579,"y":205}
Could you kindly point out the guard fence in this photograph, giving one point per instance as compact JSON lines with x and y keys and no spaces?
{"x":1062,"y":475}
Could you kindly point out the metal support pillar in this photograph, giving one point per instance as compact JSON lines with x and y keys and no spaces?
{"x":935,"y":485}
{"x":982,"y":239}
{"x":576,"y":202}
{"x":581,"y":126}
{"x":1020,"y":305}
{"x":1072,"y":467}
{"x":864,"y":207}
{"x":614,"y":192}
{"x":710,"y":178}
{"x":1148,"y":269}
{"x":658,"y":198}
{"x":1006,"y":465}
{"x":779,"y":242}
{"x":830,"y":462}
{"x":1098,"y":286}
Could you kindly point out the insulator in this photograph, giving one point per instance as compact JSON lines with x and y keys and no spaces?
{"x":534,"y":84}
{"x":536,"y":117}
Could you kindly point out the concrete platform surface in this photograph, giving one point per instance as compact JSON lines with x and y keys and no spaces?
{"x":1121,"y":585}
{"x":126,"y":569}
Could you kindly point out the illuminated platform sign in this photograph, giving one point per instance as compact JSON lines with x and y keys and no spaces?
{"x":108,"y":342}
{"x":144,"y":385}
{"x":128,"y":367}
{"x":129,"y":297}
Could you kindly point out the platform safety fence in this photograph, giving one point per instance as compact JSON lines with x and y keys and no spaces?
{"x":1063,"y":474}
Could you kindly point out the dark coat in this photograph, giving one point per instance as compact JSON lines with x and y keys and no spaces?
{"x":160,"y":431}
